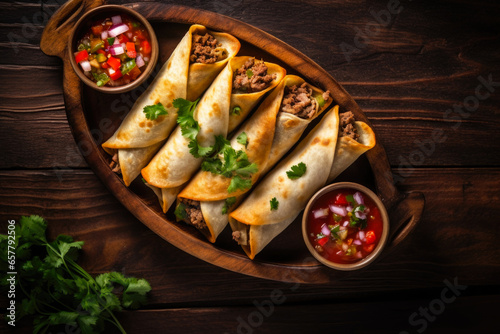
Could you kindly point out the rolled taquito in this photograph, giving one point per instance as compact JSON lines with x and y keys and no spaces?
{"x":272,"y":130}
{"x":226,"y":103}
{"x":190,"y":69}
{"x":256,"y":222}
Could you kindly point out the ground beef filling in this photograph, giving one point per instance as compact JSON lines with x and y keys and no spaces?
{"x":206,"y":49}
{"x":194,"y":215}
{"x":298,"y":101}
{"x":115,"y":164}
{"x":347,"y":127}
{"x":236,"y":236}
{"x":252,"y":77}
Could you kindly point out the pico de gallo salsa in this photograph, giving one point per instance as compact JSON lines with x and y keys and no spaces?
{"x":344,"y":226}
{"x":114,"y":51}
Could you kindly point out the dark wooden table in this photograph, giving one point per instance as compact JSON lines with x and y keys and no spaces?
{"x":426,"y":73}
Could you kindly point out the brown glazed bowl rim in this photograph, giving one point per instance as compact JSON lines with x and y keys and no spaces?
{"x":385,"y":230}
{"x":116,"y":9}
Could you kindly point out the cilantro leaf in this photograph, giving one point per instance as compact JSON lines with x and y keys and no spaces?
{"x":239,"y":183}
{"x":153,"y":111}
{"x":249,"y":73}
{"x":236,"y":111}
{"x":180,"y":211}
{"x":242,"y":139}
{"x":190,"y":127}
{"x":274,"y":203}
{"x":296,"y":171}
{"x":228,"y":204}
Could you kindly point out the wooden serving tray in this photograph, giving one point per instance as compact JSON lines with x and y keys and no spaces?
{"x":94,"y":117}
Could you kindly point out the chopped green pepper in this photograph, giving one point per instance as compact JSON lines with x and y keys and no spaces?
{"x":101,"y":78}
{"x":128,"y":66}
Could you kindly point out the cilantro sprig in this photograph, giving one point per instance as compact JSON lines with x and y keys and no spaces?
{"x":56,"y":290}
{"x":356,"y":207}
{"x":296,"y":171}
{"x":228,"y":204}
{"x":190,"y":127}
{"x":242,"y":139}
{"x":153,"y":111}
{"x":228,"y":162}
{"x":274,"y":204}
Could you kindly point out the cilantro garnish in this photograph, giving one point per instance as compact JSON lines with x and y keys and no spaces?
{"x":249,"y":73}
{"x":236,"y":111}
{"x":228,"y":204}
{"x":296,"y":171}
{"x":242,"y":139}
{"x":353,"y":220}
{"x":153,"y":111}
{"x":180,"y":211}
{"x":226,"y":161}
{"x":274,"y":204}
{"x":190,"y":127}
{"x":55,"y":290}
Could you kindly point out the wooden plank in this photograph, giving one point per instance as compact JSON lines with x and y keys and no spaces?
{"x":275,"y":314}
{"x":444,"y":245}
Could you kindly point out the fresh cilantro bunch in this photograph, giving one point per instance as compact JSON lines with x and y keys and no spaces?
{"x":57,"y":291}
{"x":228,"y":162}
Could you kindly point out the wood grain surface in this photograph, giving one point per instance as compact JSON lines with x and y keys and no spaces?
{"x":405,"y":78}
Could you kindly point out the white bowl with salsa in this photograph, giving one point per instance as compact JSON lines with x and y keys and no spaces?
{"x":345,"y":226}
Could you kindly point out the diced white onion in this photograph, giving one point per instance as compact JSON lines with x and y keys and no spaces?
{"x":358,"y":197}
{"x":359,"y":255}
{"x":339,"y":210}
{"x":139,"y":61}
{"x":345,"y":247}
{"x":360,"y":215}
{"x":86,"y":66}
{"x":349,"y":208}
{"x":146,"y":58}
{"x":116,"y":50}
{"x":116,"y":41}
{"x":104,"y":35}
{"x":325,"y":230}
{"x":357,"y":242}
{"x":116,"y":19}
{"x":129,"y":34}
{"x":361,"y":235}
{"x":346,"y":223}
{"x":320,"y":213}
{"x":118,"y":29}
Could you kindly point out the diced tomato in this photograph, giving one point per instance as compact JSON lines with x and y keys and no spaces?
{"x":323,"y":241}
{"x":81,"y":56}
{"x":146,"y":48}
{"x":114,"y":75}
{"x":370,"y":237}
{"x":114,"y":63}
{"x":105,"y":65}
{"x":102,"y":51}
{"x":134,"y":73}
{"x":341,"y":200}
{"x":123,"y":38}
{"x":131,"y":53}
{"x":97,"y":30}
{"x":368,"y":248}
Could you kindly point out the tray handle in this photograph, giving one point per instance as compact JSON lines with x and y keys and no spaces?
{"x":56,"y":33}
{"x":404,"y":216}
